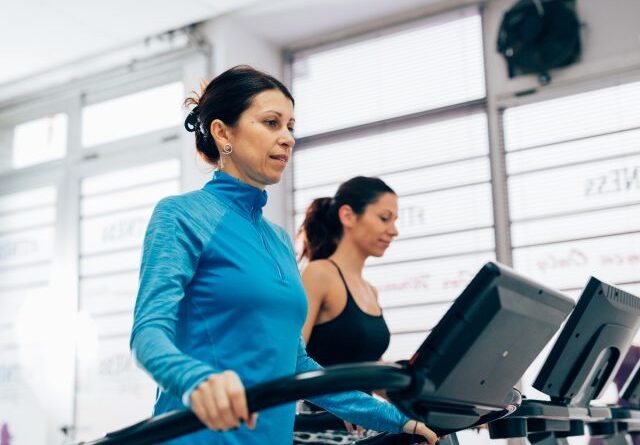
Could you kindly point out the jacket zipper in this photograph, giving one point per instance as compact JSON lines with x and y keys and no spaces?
{"x":254,"y":218}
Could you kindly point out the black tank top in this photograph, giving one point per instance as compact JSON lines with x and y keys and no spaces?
{"x":353,"y":336}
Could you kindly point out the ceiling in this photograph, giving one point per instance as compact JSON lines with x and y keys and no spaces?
{"x":295,"y":22}
{"x":37,"y":36}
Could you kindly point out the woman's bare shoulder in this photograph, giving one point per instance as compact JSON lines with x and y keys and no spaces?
{"x":319,"y":269}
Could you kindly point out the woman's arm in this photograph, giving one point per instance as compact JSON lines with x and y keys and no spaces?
{"x":354,"y":406}
{"x":362,"y":409}
{"x":315,"y":280}
{"x":172,"y":247}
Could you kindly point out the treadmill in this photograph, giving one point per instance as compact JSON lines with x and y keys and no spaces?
{"x":582,"y":362}
{"x":461,"y":376}
{"x":624,"y":422}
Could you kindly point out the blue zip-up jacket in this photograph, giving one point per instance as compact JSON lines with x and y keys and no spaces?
{"x":220,"y":290}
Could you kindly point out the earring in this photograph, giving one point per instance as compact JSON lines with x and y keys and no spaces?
{"x":226,"y":150}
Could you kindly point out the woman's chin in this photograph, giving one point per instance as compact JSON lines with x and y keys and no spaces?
{"x":273,"y":178}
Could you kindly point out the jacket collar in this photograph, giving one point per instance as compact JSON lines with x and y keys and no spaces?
{"x":240,"y":196}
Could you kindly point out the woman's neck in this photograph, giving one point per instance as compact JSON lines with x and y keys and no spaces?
{"x":231,"y":170}
{"x":349,"y":258}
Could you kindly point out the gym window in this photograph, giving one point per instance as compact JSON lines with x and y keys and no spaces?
{"x":406,"y":104}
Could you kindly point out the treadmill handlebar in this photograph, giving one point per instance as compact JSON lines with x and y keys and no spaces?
{"x":395,"y":378}
{"x":362,"y":377}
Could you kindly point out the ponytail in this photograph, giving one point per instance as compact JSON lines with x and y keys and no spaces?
{"x":320,"y":231}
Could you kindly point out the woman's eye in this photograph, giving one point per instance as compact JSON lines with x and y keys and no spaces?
{"x":384,"y":218}
{"x":292,"y":130}
{"x":272,"y":123}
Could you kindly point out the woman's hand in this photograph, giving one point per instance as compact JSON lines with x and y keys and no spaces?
{"x":420,"y":429}
{"x":354,"y":429}
{"x":220,"y":402}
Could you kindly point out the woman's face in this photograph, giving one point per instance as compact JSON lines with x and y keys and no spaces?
{"x":374,"y":230}
{"x":262,"y":140}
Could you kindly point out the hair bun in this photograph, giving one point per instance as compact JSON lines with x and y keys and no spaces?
{"x":191,"y":123}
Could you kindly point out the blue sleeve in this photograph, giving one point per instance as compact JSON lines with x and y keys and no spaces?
{"x":172,"y":247}
{"x":354,"y":406}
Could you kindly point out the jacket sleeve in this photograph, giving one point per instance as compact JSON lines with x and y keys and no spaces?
{"x":171,"y":251}
{"x":354,"y":406}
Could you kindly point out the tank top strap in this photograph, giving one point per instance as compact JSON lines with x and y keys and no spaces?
{"x":349,"y":296}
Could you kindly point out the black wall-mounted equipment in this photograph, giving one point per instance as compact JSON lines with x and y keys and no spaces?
{"x":536,"y":36}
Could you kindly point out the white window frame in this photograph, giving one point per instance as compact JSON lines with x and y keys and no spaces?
{"x":67,"y":173}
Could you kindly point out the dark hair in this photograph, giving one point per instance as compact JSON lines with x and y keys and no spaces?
{"x":226,"y":97}
{"x":321,"y":229}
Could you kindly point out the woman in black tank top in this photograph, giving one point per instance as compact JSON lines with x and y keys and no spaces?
{"x":344,"y":321}
{"x":353,"y":335}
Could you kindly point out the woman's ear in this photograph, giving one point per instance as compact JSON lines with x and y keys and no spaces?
{"x":347,"y":216}
{"x":220,"y":132}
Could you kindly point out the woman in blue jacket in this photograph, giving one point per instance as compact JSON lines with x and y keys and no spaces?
{"x":221,"y":304}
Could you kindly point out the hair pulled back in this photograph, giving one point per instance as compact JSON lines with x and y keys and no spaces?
{"x":321,"y":230}
{"x":226,"y":97}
